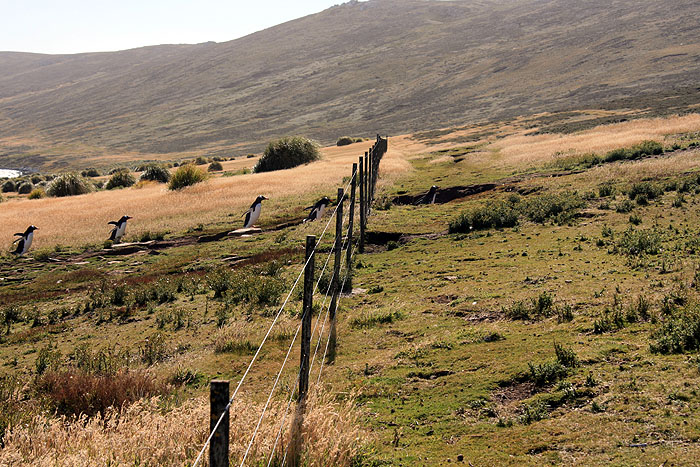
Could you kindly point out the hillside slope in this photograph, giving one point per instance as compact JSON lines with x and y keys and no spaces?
{"x":383,"y":65}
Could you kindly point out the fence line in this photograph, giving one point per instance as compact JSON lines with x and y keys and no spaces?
{"x":366,"y":176}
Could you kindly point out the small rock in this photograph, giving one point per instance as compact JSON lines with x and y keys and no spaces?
{"x":460,"y":458}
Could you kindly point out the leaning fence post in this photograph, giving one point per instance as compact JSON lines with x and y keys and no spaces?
{"x":336,"y":284}
{"x":361,"y":181}
{"x":351,"y":215}
{"x":306,"y":316}
{"x":218,"y":400}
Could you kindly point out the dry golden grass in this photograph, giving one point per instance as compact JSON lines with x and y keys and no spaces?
{"x":144,"y":435}
{"x":81,"y":220}
{"x":529,"y":149}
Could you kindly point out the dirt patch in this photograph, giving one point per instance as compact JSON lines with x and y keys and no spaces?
{"x":443,"y":195}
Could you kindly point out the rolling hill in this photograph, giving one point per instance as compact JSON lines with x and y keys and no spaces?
{"x":385,"y":66}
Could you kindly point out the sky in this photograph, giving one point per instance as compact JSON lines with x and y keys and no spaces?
{"x":73,"y":26}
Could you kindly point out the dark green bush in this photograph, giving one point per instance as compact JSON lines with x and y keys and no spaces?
{"x":286,"y":153}
{"x":186,"y":175}
{"x":121,"y":179}
{"x":36,"y":179}
{"x":9,"y":186}
{"x":560,"y":207}
{"x":68,"y":184}
{"x":639,"y":242}
{"x":605,"y":190}
{"x":645,"y":148}
{"x":649,"y":190}
{"x":345,"y":140}
{"x":91,"y":172}
{"x":25,"y":188}
{"x":624,"y":207}
{"x":496,"y":215}
{"x":156,"y":173}
{"x":680,"y":333}
{"x":215,"y":167}
{"x":200,"y":160}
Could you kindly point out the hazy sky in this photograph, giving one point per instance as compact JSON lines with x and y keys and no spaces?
{"x":71,"y":26}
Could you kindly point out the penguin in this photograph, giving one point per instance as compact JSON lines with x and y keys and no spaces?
{"x":317,"y":209}
{"x":25,"y":240}
{"x":252,"y":215}
{"x":119,"y":229}
{"x":430,"y":197}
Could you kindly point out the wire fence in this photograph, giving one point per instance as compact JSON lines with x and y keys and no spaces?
{"x":362,"y":177}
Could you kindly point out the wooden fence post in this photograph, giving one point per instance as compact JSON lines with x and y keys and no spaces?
{"x":351,"y":216}
{"x":306,"y":316}
{"x":336,"y":284}
{"x":218,"y":400}
{"x":361,"y":181}
{"x":367,"y":200}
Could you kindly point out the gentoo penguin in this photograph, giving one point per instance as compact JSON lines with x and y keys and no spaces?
{"x":430,"y":197}
{"x":317,"y":209}
{"x":119,"y":229}
{"x":251,"y":217}
{"x":25,"y":240}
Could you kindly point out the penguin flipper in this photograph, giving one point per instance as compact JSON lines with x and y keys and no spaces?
{"x":247,"y":219}
{"x":113,"y":222}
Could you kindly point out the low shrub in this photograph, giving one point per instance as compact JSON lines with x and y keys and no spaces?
{"x":643,"y":149}
{"x":624,"y":207}
{"x":560,"y":208}
{"x":606,"y":189}
{"x":639,"y":242}
{"x":679,"y":333}
{"x":286,"y":153}
{"x":644,"y":189}
{"x":215,"y":167}
{"x":345,"y":140}
{"x":120,"y":179}
{"x":538,"y":307}
{"x":91,"y":172}
{"x":499,"y":214}
{"x":68,"y":184}
{"x":233,"y":338}
{"x":186,"y":175}
{"x":201,"y":160}
{"x":156,"y":173}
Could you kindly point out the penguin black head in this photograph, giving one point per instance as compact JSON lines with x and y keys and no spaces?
{"x":32,"y":228}
{"x":126,"y":218}
{"x":325,"y":200}
{"x":260,"y":198}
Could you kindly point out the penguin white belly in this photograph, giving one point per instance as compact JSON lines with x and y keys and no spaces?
{"x":254,"y":215}
{"x":321,"y":209}
{"x":28,"y":242}
{"x":121,"y":230}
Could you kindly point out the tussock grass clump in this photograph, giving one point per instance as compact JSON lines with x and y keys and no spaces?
{"x":234,"y":338}
{"x":37,"y":193}
{"x":679,"y":333}
{"x":25,"y":188}
{"x":249,"y":286}
{"x":68,"y":184}
{"x":369,"y":320}
{"x":496,"y":215}
{"x":76,"y":392}
{"x":186,"y":175}
{"x":550,"y":372}
{"x":120,"y":179}
{"x":286,"y":153}
{"x":156,"y":173}
{"x":9,"y":186}
{"x":535,"y":308}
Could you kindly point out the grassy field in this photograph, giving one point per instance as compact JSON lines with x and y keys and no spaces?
{"x":567,"y":336}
